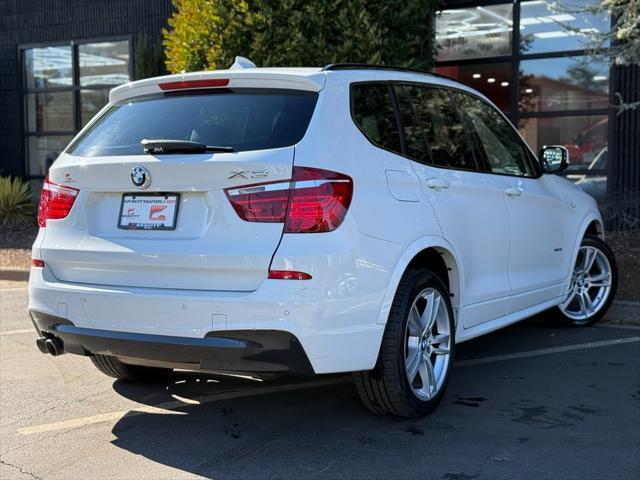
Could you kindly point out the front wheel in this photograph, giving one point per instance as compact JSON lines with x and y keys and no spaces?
{"x":593,"y":284}
{"x":417,"y":350}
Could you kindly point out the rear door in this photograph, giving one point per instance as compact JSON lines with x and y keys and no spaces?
{"x":537,"y":212}
{"x":468,"y":204}
{"x":111,"y":236}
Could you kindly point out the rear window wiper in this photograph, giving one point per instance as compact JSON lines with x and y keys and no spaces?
{"x":180,"y":146}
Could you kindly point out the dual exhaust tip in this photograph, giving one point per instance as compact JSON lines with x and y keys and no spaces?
{"x":51,"y":345}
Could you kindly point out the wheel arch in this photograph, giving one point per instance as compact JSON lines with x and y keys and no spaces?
{"x":591,"y":225}
{"x":436,"y":254}
{"x":595,"y":228}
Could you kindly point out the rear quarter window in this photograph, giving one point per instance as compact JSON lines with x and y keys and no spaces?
{"x":373,"y":113}
{"x":242,"y":119}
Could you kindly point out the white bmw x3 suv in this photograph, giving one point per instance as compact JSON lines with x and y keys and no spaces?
{"x":346,"y":219}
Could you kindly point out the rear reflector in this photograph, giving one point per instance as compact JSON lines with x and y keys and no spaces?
{"x":314,"y":201}
{"x":37,"y":263}
{"x":55,"y":202}
{"x":288,"y":275}
{"x":182,"y":84}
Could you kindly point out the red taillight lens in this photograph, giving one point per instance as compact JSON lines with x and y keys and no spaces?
{"x":315,"y":201}
{"x":37,"y":263}
{"x":319,"y":200}
{"x":55,"y":202}
{"x":260,"y":203}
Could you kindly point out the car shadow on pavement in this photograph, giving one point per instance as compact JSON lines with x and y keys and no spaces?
{"x":296,"y":433}
{"x":500,"y":415}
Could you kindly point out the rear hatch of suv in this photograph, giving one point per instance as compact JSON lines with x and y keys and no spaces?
{"x":163,"y":218}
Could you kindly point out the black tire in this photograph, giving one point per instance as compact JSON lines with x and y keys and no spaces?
{"x":385,"y":390}
{"x":113,"y":367}
{"x":595,"y":242}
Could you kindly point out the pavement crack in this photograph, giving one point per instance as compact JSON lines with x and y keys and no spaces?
{"x":24,"y":472}
{"x":57,"y":407}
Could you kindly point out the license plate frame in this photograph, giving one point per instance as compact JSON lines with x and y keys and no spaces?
{"x":146,"y":201}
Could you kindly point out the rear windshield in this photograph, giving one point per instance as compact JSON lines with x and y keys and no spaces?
{"x":242,"y":119}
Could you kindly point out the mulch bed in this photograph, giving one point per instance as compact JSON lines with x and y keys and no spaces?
{"x":626,"y":247}
{"x":15,"y":245}
{"x":15,"y":252}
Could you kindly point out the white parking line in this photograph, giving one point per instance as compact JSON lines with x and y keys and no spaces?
{"x":17,"y":332}
{"x":14,"y":289}
{"x":167,"y":407}
{"x":547,"y":351}
{"x":84,"y":421}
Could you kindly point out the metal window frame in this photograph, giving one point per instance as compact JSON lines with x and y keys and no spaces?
{"x":75,"y":88}
{"x":515,"y":58}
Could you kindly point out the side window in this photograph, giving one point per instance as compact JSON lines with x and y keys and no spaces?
{"x":433,"y":129}
{"x":503,"y":148}
{"x":374,"y":114}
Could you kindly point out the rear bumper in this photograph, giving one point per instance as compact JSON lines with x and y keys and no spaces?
{"x":333,"y":316}
{"x":228,"y":351}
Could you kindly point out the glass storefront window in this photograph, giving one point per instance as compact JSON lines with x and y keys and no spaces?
{"x":48,"y":67}
{"x":562,"y":95}
{"x":542,"y":29}
{"x":42,"y":151}
{"x":105,"y":63}
{"x":474,"y":32}
{"x":586,"y":139}
{"x":568,"y":83}
{"x":492,"y":79}
{"x":55,"y":78}
{"x":49,"y":111}
{"x":584,"y":136}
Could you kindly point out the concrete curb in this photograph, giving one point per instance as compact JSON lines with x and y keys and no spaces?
{"x":14,"y":274}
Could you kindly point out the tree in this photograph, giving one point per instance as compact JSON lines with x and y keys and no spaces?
{"x":208,"y":34}
{"x":619,"y":47}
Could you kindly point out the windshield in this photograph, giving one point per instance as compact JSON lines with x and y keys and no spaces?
{"x":241,"y":119}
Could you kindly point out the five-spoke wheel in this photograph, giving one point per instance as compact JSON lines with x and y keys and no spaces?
{"x":427,"y":344}
{"x":593,"y":283}
{"x":417,"y":350}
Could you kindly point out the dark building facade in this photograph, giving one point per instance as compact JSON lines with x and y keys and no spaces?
{"x":59,"y":58}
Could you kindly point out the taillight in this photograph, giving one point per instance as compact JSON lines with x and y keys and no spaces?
{"x":319,"y":200}
{"x":36,"y":262}
{"x":55,"y":202}
{"x":314,"y":201}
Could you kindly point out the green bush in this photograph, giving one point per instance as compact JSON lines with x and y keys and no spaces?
{"x":15,"y":201}
{"x":208,"y":34}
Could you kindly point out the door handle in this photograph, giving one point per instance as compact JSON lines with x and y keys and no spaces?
{"x":437,"y":183}
{"x":513,"y":191}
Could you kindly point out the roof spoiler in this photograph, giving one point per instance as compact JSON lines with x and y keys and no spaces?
{"x":242,"y":63}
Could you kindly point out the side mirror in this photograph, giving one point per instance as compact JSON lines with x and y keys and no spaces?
{"x":553,"y":159}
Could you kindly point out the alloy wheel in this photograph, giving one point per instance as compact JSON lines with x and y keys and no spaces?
{"x":590,"y":285}
{"x":427,"y":344}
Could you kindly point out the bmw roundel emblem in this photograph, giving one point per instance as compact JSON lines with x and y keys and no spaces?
{"x":140,"y":177}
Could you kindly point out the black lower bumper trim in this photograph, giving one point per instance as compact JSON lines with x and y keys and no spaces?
{"x":230,"y":351}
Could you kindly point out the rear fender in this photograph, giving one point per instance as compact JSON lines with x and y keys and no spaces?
{"x":450,"y":256}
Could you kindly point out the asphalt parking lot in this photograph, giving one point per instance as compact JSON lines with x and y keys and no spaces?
{"x":532,"y":401}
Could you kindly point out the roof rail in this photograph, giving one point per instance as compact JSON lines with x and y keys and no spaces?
{"x":368,"y":66}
